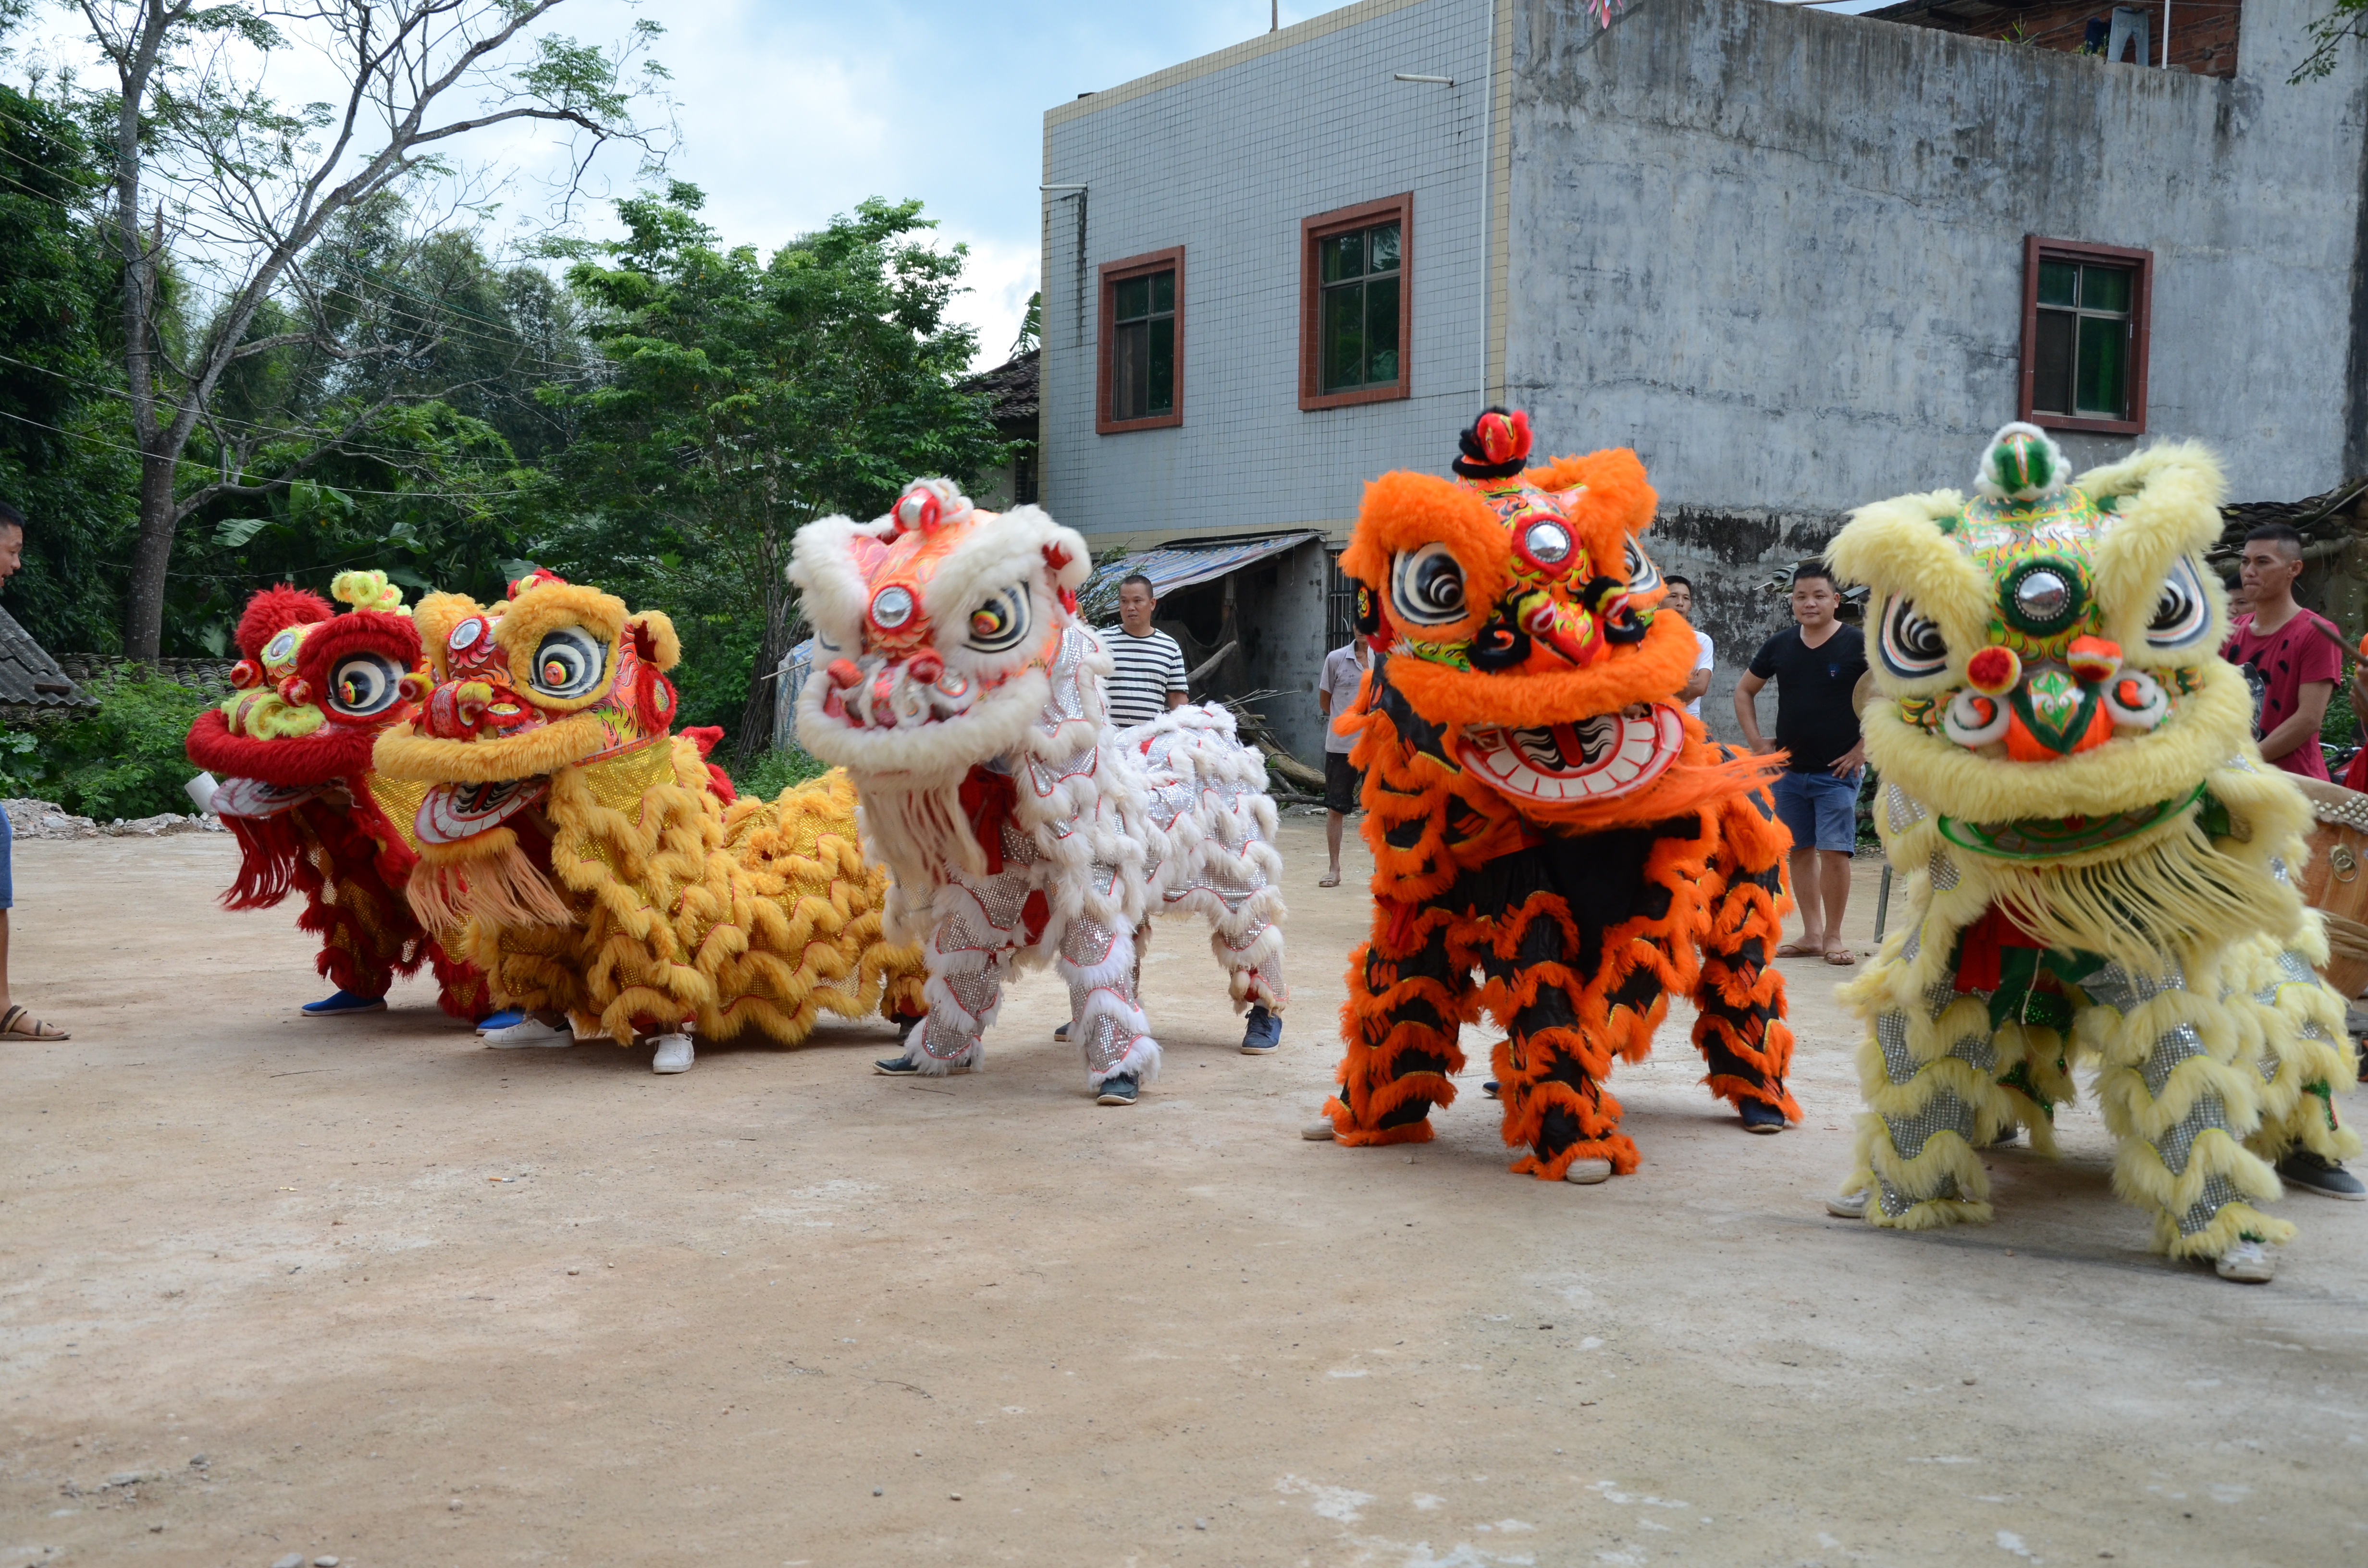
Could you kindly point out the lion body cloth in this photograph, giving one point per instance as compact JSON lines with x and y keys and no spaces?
{"x":2099,"y":867}
{"x":599,"y":866}
{"x":964,"y":696}
{"x":292,"y":749}
{"x":1541,"y":810}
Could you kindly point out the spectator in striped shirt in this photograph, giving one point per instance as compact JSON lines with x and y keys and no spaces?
{"x":1149,"y":679}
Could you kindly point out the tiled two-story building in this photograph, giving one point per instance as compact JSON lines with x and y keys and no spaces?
{"x":1797,"y":260}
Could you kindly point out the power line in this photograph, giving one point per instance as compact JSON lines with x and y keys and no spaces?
{"x":341,"y":489}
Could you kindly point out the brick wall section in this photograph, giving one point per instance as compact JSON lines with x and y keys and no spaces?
{"x":2202,"y":32}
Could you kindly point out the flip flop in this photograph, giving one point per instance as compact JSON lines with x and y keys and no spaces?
{"x":13,"y":1026}
{"x":1798,"y":950}
{"x":1332,"y":881}
{"x":1841,"y":958}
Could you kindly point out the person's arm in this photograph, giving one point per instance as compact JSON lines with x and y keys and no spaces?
{"x":1746,"y":713}
{"x":1850,"y":761}
{"x":2301,"y":726}
{"x":1696,"y":684}
{"x":1177,"y":694}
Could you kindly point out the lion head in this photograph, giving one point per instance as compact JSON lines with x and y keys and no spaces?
{"x":1516,"y":606}
{"x":2049,"y":647}
{"x":937,"y":627}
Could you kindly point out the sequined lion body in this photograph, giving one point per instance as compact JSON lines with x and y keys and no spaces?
{"x":964,"y":693}
{"x":1542,"y":811}
{"x":291,"y":751}
{"x":599,"y":866}
{"x":2098,"y":864}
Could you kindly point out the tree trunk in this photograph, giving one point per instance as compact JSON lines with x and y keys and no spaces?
{"x":151,"y":555}
{"x":757,"y":719}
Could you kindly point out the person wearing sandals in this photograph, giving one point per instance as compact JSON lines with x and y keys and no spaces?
{"x":1815,"y":663}
{"x":1344,"y":677}
{"x":15,"y":1021}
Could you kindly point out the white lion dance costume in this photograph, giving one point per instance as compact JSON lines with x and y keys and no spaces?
{"x":2098,"y":863}
{"x":964,"y":695}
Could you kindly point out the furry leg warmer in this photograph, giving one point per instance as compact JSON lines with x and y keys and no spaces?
{"x":1106,"y":1017}
{"x":1741,"y":1030}
{"x":1407,"y":1002}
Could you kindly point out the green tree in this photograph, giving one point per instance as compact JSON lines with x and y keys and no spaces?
{"x":61,"y":388}
{"x":742,"y":400}
{"x":198,"y":157}
{"x":2345,"y":19}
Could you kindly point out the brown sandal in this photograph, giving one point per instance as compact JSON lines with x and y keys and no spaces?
{"x":18,"y":1023}
{"x":1841,"y":958}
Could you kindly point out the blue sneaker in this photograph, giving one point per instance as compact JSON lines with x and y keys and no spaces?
{"x":1759,"y":1116}
{"x":1264,"y":1033}
{"x":343,"y":1002}
{"x":501,"y":1021}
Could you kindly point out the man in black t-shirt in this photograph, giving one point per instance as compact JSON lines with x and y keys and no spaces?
{"x":1815,"y":665}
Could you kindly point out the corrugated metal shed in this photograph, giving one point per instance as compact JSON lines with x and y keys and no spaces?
{"x":1179,"y":566}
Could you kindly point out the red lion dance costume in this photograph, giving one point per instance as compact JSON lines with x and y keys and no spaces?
{"x":291,"y":746}
{"x":1542,"y":811}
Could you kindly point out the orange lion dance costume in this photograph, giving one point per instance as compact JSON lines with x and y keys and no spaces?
{"x":292,"y":747}
{"x":1542,"y":811}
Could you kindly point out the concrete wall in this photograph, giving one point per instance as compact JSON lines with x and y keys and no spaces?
{"x":1224,"y":157}
{"x":1780,"y":253}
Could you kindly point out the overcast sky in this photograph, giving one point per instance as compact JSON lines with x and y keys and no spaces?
{"x":791,"y":110}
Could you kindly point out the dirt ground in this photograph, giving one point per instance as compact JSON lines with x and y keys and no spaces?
{"x":361,"y":1288}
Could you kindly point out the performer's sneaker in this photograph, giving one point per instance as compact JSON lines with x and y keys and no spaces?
{"x":906,"y":1067}
{"x":501,"y":1021}
{"x":2247,"y":1262}
{"x":2315,"y":1173}
{"x":1117,"y":1089}
{"x":1264,"y":1033}
{"x":1848,"y":1205}
{"x":2009,"y":1136}
{"x":1586,"y":1173}
{"x":1759,"y":1116}
{"x":343,"y":1003}
{"x":1489,"y":1088}
{"x":529,"y":1031}
{"x":1321,"y":1131}
{"x":674,"y":1054}
{"x":1062,"y":1034}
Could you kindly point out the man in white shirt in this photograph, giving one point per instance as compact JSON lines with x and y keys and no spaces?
{"x":1150,"y":676}
{"x":1681,"y":597}
{"x":1344,"y":676}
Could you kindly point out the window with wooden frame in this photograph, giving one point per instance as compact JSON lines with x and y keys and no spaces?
{"x":1356,"y":305}
{"x":2085,"y":318}
{"x":1140,"y":384}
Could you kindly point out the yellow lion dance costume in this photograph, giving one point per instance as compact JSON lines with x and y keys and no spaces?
{"x":603,"y":869}
{"x":1540,"y":809}
{"x":2098,"y":863}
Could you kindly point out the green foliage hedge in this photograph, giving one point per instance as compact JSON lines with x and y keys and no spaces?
{"x":126,"y":760}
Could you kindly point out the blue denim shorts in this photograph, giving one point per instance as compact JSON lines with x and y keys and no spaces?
{"x":1819,"y":809}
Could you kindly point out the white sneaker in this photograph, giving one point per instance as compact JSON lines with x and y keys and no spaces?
{"x":674,"y":1054}
{"x":529,"y":1031}
{"x":1320,"y":1131}
{"x":1586,"y":1173}
{"x":2249,"y":1263}
{"x":1848,"y":1205}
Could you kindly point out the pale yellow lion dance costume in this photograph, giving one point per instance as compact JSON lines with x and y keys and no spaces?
{"x":2100,"y":866}
{"x":603,"y":869}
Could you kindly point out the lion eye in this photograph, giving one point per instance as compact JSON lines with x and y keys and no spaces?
{"x":568,"y":664}
{"x":1910,"y":646}
{"x":999,"y":624}
{"x":364,"y":684}
{"x":1427,"y":586}
{"x":1644,"y":577}
{"x":2182,"y":615}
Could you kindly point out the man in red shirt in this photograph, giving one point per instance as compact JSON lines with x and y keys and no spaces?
{"x":2292,"y":657}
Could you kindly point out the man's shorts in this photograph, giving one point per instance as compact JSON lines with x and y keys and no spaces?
{"x":1342,"y":783}
{"x":7,"y":873}
{"x":1820,"y":810}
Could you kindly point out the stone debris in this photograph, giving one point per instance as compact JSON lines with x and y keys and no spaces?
{"x":293,"y":1560}
{"x":46,"y":819}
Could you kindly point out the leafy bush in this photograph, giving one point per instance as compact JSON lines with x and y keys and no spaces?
{"x":126,"y":760}
{"x":770,"y":772}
